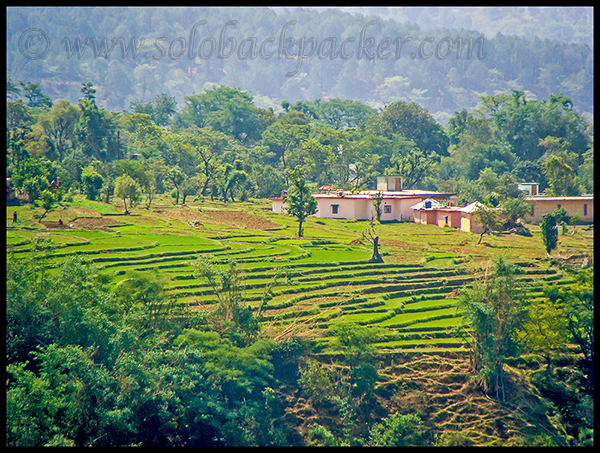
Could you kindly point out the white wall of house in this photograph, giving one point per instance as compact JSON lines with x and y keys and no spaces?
{"x":277,"y":205}
{"x":361,"y":207}
{"x":347,"y":207}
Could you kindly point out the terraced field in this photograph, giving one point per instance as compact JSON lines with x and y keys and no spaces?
{"x":315,"y":281}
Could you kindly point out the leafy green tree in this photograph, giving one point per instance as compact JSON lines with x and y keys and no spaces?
{"x":126,"y":187}
{"x":316,"y":383}
{"x":398,"y":430}
{"x":231,"y":318}
{"x":161,"y":109}
{"x":35,"y":97}
{"x":299,"y":201}
{"x":515,"y":208}
{"x":96,"y":130}
{"x":59,"y":124}
{"x":561,"y":177}
{"x":413,"y":122}
{"x":488,"y":179}
{"x":586,"y":171}
{"x":48,"y":200}
{"x":282,"y":141}
{"x":31,"y":175}
{"x":317,"y":159}
{"x":493,"y":311}
{"x":549,"y":230}
{"x":88,"y":91}
{"x":377,"y":199}
{"x":145,"y":289}
{"x":269,"y":181}
{"x":232,"y":177}
{"x":577,"y":307}
{"x":411,"y":162}
{"x":191,"y":186}
{"x":489,"y":220}
{"x":341,"y":113}
{"x":13,"y":89}
{"x":91,"y":182}
{"x":356,"y":342}
{"x":176,"y":177}
{"x":225,"y":109}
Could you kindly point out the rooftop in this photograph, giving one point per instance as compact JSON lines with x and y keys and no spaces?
{"x":369,"y":194}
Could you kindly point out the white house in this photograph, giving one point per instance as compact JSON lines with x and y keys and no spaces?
{"x":395,"y":203}
{"x":277,"y":204}
{"x":360,"y":206}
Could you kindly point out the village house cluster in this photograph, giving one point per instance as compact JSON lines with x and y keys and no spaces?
{"x":429,"y":207}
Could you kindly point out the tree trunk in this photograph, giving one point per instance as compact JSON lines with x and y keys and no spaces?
{"x":376,"y":257}
{"x":300,"y":229}
{"x":486,"y":230}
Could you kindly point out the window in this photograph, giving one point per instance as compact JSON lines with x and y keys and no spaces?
{"x":585,"y":209}
{"x":334,"y":208}
{"x":387,"y":209}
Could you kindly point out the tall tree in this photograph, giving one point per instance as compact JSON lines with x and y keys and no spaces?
{"x":413,"y":122}
{"x":226,"y":109}
{"x":126,"y":187}
{"x":371,"y":235}
{"x":549,"y":232}
{"x":493,"y":311}
{"x":299,"y":201}
{"x":59,"y":124}
{"x":561,"y":177}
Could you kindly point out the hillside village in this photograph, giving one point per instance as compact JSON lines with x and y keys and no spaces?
{"x":430,"y":207}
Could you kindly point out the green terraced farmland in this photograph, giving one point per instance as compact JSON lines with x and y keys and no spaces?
{"x":313,"y":282}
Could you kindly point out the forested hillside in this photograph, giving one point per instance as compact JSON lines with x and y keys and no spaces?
{"x":134,"y":54}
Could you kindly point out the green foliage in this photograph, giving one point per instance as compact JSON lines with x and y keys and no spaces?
{"x":92,"y":182}
{"x":316,"y":383}
{"x":299,"y":201}
{"x":561,"y":177}
{"x":515,"y":208}
{"x":47,"y":201}
{"x":549,"y":230}
{"x":398,"y":431}
{"x":493,"y":313}
{"x":230,"y":318}
{"x":126,"y":187}
{"x":31,"y":175}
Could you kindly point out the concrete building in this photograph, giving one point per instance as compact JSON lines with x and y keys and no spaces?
{"x":431,"y":212}
{"x":541,"y":205}
{"x":530,"y":188}
{"x":395,"y":205}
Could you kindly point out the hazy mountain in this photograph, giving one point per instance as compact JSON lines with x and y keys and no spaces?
{"x":441,"y":58}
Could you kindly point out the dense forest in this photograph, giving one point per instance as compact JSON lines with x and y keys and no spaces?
{"x":444,"y":64}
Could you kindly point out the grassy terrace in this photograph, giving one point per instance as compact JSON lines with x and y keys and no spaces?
{"x":321,"y":279}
